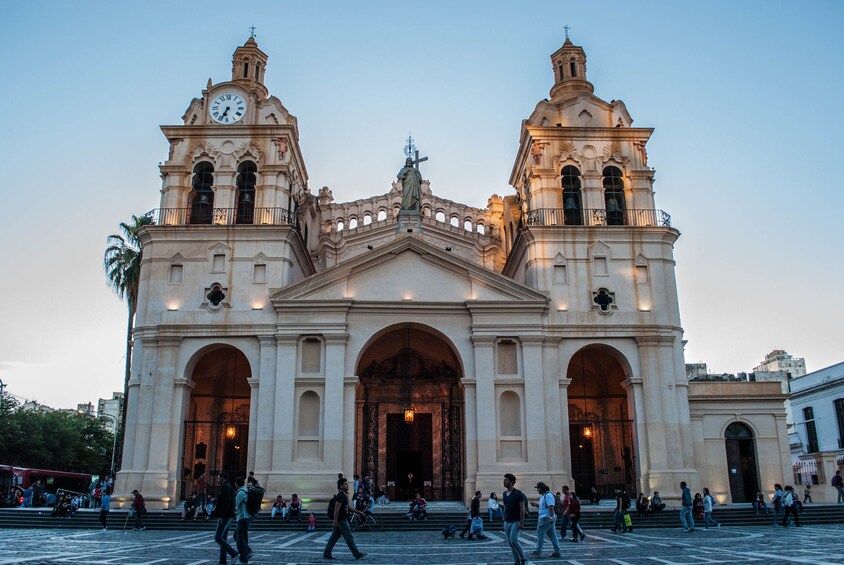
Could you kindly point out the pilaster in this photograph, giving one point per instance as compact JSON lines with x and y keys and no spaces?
{"x":282,"y":451}
{"x":485,"y":396}
{"x":262,"y":442}
{"x":535,"y":421}
{"x":336,"y":404}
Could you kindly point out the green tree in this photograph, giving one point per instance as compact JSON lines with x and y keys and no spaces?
{"x":122,"y":262}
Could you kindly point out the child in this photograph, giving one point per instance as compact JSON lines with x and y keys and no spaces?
{"x":807,"y":494}
{"x":312,"y":523}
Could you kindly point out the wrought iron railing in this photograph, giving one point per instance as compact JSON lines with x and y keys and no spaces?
{"x":199,"y":215}
{"x":597,"y":217}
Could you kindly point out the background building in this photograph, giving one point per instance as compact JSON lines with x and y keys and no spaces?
{"x":779,"y":360}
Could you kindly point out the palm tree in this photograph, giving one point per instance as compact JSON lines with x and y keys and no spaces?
{"x":122,"y":262}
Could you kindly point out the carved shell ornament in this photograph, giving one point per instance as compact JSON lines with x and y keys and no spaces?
{"x":247,"y":148}
{"x":206,"y":148}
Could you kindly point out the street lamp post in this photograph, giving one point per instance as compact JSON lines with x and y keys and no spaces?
{"x":114,"y":440}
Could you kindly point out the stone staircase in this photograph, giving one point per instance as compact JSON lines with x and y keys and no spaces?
{"x":440,"y":515}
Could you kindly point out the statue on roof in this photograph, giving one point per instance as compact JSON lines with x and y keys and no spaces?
{"x":411,"y":183}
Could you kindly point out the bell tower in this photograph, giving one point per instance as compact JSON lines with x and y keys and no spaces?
{"x":569,"y":63}
{"x":248,"y":66}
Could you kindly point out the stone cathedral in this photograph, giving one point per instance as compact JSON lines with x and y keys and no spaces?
{"x":434,"y":347}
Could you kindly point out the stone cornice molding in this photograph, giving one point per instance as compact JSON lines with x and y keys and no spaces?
{"x":509,"y":381}
{"x":169,"y":340}
{"x":291,"y":339}
{"x":483,"y":340}
{"x":564,"y":382}
{"x":468,"y":383}
{"x":631,"y":382}
{"x":336,"y":338}
{"x":184,"y":382}
{"x":531,"y":339}
{"x":655,"y":340}
{"x":254,"y":382}
{"x":350,"y":381}
{"x":309,"y":381}
{"x":267,"y":340}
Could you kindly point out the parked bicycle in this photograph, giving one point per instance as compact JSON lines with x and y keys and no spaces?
{"x":362,"y":521}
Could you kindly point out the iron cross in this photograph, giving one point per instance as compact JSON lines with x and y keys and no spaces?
{"x":413,"y":153}
{"x":252,"y":31}
{"x":567,"y":28}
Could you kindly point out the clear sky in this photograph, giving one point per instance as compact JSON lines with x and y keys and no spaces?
{"x":745,"y":98}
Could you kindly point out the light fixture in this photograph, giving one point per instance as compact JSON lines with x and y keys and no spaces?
{"x":405,"y":395}
{"x":231,"y":431}
{"x":409,"y":415}
{"x":587,"y":429}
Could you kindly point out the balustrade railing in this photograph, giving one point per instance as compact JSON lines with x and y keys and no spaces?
{"x":597,"y":217}
{"x":205,"y":215}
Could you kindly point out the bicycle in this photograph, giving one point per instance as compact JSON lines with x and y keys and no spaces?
{"x":367,"y":522}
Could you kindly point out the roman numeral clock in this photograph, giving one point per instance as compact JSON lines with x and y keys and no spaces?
{"x":227,"y":108}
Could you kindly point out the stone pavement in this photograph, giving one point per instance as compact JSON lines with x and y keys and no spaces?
{"x":818,"y":545}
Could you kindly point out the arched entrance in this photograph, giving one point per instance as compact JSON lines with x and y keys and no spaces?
{"x":741,"y":462}
{"x":600,"y":423}
{"x":216,"y":429}
{"x":409,"y":426}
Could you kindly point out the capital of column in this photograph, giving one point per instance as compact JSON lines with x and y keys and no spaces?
{"x":350,"y":381}
{"x":564,"y":382}
{"x":267,"y":340}
{"x":483,"y":340}
{"x":183,"y":382}
{"x":336,"y":338}
{"x":631,"y":382}
{"x":286,"y":339}
{"x":254,"y":382}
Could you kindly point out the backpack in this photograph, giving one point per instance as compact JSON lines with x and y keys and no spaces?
{"x":331,"y":504}
{"x":254,"y":497}
{"x":558,"y":506}
{"x":625,"y":501}
{"x":836,"y":481}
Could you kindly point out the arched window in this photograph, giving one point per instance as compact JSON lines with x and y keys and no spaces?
{"x":572,"y":208}
{"x":467,"y":225}
{"x":560,"y":70}
{"x":367,"y":219}
{"x":481,"y":229}
{"x":246,"y":180}
{"x":614,"y":196}
{"x":382,"y":215}
{"x":353,"y":223}
{"x":202,"y":196}
{"x":573,"y":68}
{"x":440,"y":217}
{"x":455,"y":221}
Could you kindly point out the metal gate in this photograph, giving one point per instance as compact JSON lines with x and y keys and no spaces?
{"x":602,"y":456}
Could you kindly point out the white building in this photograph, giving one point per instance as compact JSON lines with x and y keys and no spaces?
{"x":111,"y":410}
{"x":817,"y":442}
{"x":287,"y":333}
{"x":779,"y":360}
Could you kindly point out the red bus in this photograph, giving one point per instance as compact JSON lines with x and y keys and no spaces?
{"x":19,"y":478}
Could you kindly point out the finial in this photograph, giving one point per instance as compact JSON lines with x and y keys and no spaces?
{"x":409,"y":146}
{"x":252,"y":32}
{"x":567,"y":28}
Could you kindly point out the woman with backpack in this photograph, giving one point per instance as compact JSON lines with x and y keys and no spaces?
{"x":708,"y":502}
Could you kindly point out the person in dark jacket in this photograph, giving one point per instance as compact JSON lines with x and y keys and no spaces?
{"x":139,"y":507}
{"x":224,"y":512}
{"x":474,"y":512}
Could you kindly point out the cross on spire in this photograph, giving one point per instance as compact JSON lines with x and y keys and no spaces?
{"x":252,"y":31}
{"x":567,"y":28}
{"x":412,"y":153}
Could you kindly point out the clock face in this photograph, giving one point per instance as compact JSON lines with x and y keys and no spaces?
{"x":227,"y":108}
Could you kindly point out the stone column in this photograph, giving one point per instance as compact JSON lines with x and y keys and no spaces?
{"x":146,"y":399}
{"x":553,"y":417}
{"x":471,"y":435}
{"x":182,"y":388}
{"x":592,"y":192}
{"x":336,"y":403}
{"x":159,"y":466}
{"x":652,"y":415}
{"x":349,"y":388}
{"x":534,"y":405}
{"x":487,"y":436}
{"x":640,"y":196}
{"x":261,"y":444}
{"x":636,"y":399}
{"x":286,"y":364}
{"x":565,"y":440}
{"x":254,"y":400}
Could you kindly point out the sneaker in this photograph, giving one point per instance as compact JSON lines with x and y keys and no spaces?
{"x":360,"y":556}
{"x":536,"y":553}
{"x":105,"y":529}
{"x":555,"y":554}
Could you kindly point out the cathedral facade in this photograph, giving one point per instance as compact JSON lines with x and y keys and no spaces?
{"x":432,"y":347}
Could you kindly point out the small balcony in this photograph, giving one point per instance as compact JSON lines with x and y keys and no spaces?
{"x":597,"y":217}
{"x":205,"y":215}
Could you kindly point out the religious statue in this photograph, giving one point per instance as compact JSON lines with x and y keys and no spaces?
{"x":411,"y":182}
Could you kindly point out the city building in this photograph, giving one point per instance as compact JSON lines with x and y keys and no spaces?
{"x":817,"y":440}
{"x":779,"y":360}
{"x":428,"y":343}
{"x":111,"y":410}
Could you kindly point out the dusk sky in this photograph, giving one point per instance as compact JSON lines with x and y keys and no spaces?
{"x":744,"y":97}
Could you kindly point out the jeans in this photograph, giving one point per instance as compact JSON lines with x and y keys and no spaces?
{"x":618,"y":517}
{"x":708,"y":520}
{"x":104,"y":518}
{"x":221,"y":537}
{"x":547,"y":526}
{"x":241,"y":538}
{"x":344,"y":530}
{"x":575,"y":526}
{"x":840,"y":493}
{"x":793,"y":511}
{"x":777,"y":513}
{"x":564,"y":524}
{"x":494,"y":513}
{"x":686,"y":518}
{"x":139,"y":521}
{"x":511,"y":532}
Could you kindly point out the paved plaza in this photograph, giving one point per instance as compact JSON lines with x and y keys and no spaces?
{"x":811,"y":544}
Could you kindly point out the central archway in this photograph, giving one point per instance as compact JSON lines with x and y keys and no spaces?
{"x":404,"y":368}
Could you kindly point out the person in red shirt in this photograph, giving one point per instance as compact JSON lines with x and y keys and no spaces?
{"x":140,"y":509}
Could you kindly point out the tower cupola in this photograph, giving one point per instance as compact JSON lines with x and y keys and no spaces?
{"x":569,"y":63}
{"x":248,"y":66}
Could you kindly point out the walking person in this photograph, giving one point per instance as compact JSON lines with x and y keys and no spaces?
{"x":708,"y":502}
{"x":620,"y":508}
{"x":514,"y":517}
{"x":224,"y":512}
{"x":573,"y":513}
{"x":807,"y":494}
{"x":565,"y":499}
{"x":777,"y":503}
{"x":474,"y":512}
{"x":105,"y":507}
{"x":547,"y":520}
{"x":686,"y":518}
{"x":838,"y":483}
{"x":789,"y":500}
{"x":241,"y":533}
{"x":139,"y":507}
{"x":340,"y":525}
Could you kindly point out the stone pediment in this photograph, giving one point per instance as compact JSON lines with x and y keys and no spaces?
{"x":409,"y":269}
{"x":583,"y":110}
